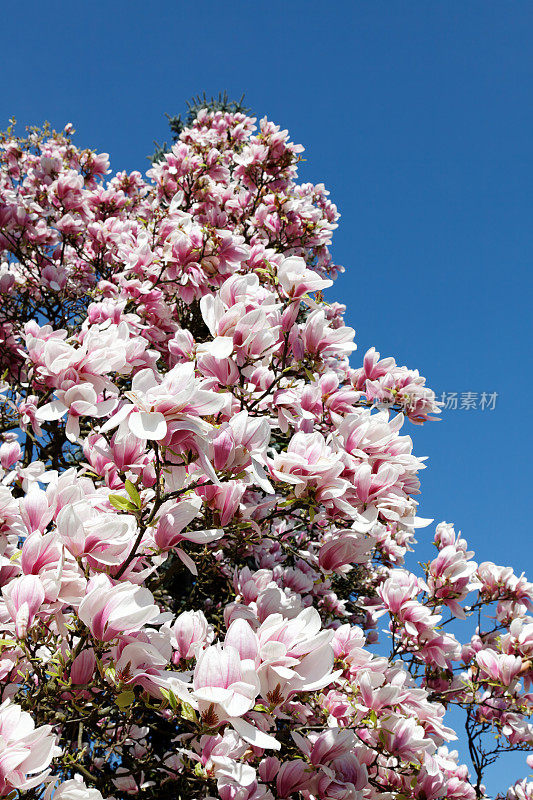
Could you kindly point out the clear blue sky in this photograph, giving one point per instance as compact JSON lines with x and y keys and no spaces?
{"x":418,"y":117}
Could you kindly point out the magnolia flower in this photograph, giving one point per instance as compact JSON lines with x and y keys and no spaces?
{"x":75,"y":789}
{"x":307,"y":460}
{"x":78,"y":401}
{"x":296,"y":280}
{"x":405,"y":738}
{"x":85,"y":531}
{"x":174,"y":517}
{"x":498,"y":666}
{"x":291,"y":777}
{"x":23,"y":597}
{"x":191,"y":632}
{"x":224,"y":688}
{"x":111,"y":610}
{"x":177,"y":397}
{"x":10,"y":453}
{"x":141,"y":662}
{"x":24,"y":749}
{"x":289,"y":655}
{"x":338,"y":554}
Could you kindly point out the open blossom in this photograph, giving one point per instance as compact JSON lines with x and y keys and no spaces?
{"x":498,"y":666}
{"x":339,"y":554}
{"x":449,"y":577}
{"x":178,"y":397}
{"x":293,"y":655}
{"x":78,"y":401}
{"x":522,"y":790}
{"x":296,"y":280}
{"x":25,"y":751}
{"x":110,"y":610}
{"x":170,"y":529}
{"x":401,"y":587}
{"x":225,"y":687}
{"x":75,"y":789}
{"x":219,"y":681}
{"x":85,"y":531}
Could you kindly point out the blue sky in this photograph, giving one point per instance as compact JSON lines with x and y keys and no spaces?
{"x":418,"y":117}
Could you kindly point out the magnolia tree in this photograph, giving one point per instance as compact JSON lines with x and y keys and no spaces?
{"x":205,"y":507}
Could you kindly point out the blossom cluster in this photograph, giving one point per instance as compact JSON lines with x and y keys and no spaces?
{"x":206,"y":510}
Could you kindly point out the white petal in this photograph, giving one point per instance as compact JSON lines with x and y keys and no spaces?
{"x":54,"y":410}
{"x":220,"y":347}
{"x":253,"y":735}
{"x":148,"y":425}
{"x":203,"y":537}
{"x":142,"y":381}
{"x":72,"y":429}
{"x":260,"y":476}
{"x":117,"y":418}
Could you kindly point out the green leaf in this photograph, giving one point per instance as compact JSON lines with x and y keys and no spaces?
{"x":121,"y":503}
{"x":188,"y":712}
{"x":125,"y":699}
{"x":133,"y":493}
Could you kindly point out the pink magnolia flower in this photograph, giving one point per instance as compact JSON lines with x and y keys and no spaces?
{"x":498,"y":666}
{"x":10,"y":453}
{"x":177,"y":397}
{"x":294,"y":655}
{"x":83,"y":667}
{"x":74,"y":789}
{"x":86,"y":531}
{"x":323,"y":747}
{"x":339,"y":554}
{"x":142,"y":663}
{"x":174,"y":517}
{"x":309,"y":462}
{"x":405,"y":738}
{"x":39,"y":552}
{"x":292,"y":777}
{"x":78,"y":401}
{"x":225,"y":499}
{"x":25,"y":751}
{"x":449,"y":577}
{"x":225,"y":688}
{"x":521,"y":790}
{"x":401,"y":587}
{"x":23,"y":597}
{"x":35,"y":510}
{"x":319,"y":338}
{"x":222,"y":681}
{"x":111,"y":610}
{"x":297,"y":280}
{"x":191,"y":632}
